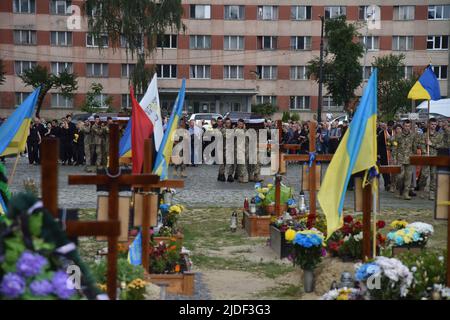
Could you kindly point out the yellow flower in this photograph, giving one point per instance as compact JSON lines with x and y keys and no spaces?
{"x":399,"y":224}
{"x":269,"y":185}
{"x":395,"y":143}
{"x":265,"y":190}
{"x":289,"y":235}
{"x":259,"y":190}
{"x":175,"y":208}
{"x":261,"y":196}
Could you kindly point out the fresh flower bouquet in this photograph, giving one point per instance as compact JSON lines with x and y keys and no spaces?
{"x":171,"y":214}
{"x":346,"y":243}
{"x":407,"y":235}
{"x":343,"y":294}
{"x":168,"y":258}
{"x":384,"y":278}
{"x":308,"y":247}
{"x":35,"y":255}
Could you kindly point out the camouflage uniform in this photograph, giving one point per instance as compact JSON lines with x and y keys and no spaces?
{"x":97,"y":141}
{"x":227,"y":168}
{"x":437,"y":141}
{"x":254,"y":170}
{"x":406,"y":144}
{"x":393,"y":150}
{"x":242,"y":150}
{"x":105,"y":145}
{"x":88,"y":140}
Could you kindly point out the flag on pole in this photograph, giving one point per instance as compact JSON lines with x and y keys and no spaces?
{"x":141,"y":129}
{"x":357,"y":152}
{"x":14,"y":131}
{"x":165,"y":151}
{"x":150,"y":104}
{"x":427,"y":87}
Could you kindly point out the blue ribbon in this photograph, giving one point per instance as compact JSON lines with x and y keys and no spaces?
{"x":373,"y":172}
{"x":312,"y":157}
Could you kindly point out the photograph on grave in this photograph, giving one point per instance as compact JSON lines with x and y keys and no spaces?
{"x":124,"y":214}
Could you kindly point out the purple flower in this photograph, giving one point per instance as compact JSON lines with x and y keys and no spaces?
{"x":60,"y":285}
{"x":30,"y":264}
{"x":41,"y":287}
{"x":12,"y":285}
{"x":324,"y":252}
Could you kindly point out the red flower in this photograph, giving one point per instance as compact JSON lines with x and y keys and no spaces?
{"x":333,"y":246}
{"x":346,"y":229}
{"x":348,"y":219}
{"x":358,"y":224}
{"x":381,"y":224}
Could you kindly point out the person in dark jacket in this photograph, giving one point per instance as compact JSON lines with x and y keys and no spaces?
{"x":78,"y":145}
{"x":33,"y":141}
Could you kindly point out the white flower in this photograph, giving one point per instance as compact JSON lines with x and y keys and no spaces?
{"x":422,"y":228}
{"x":441,"y":258}
{"x":330,"y":295}
{"x":413,"y":269}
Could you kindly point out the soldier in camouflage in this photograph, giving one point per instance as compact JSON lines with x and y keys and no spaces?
{"x":392,"y":144}
{"x":97,"y":140}
{"x":88,"y":140}
{"x":435,"y":142}
{"x":227,"y":168}
{"x":406,"y":143}
{"x":241,"y":152}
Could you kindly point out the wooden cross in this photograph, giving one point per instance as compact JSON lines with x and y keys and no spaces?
{"x":302,"y":157}
{"x":367,"y":211}
{"x":114,"y":179}
{"x":442,"y":162}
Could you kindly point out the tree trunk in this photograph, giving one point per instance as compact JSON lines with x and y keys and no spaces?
{"x":40,"y":100}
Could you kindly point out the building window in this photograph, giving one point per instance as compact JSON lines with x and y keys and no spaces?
{"x":200,"y":11}
{"x":441,"y":72}
{"x":233,"y":43}
{"x":200,"y":72}
{"x":407,"y":72}
{"x":58,"y":67}
{"x":21,"y":66}
{"x":301,"y":13}
{"x":332,"y":12}
{"x":101,"y":99}
{"x":167,"y":41}
{"x":298,"y":73}
{"x":126,"y":100}
{"x":25,"y":37}
{"x":329,"y":104}
{"x":200,"y":42}
{"x":24,"y":6}
{"x":266,"y":99}
{"x":127,"y":70}
{"x":301,"y":43}
{"x":267,"y":72}
{"x":299,"y":103}
{"x":267,"y":13}
{"x":366,"y":72}
{"x":234,"y":13}
{"x":59,"y":7}
{"x":124,"y":42}
{"x":20,"y":97}
{"x":437,"y":42}
{"x":402,"y":43}
{"x":93,"y":11}
{"x":59,"y":101}
{"x":371,"y":43}
{"x":233,"y":72}
{"x":93,"y":42}
{"x":439,"y":12}
{"x":61,"y":38}
{"x":97,"y":70}
{"x":267,"y":43}
{"x":404,"y":12}
{"x":166,"y":71}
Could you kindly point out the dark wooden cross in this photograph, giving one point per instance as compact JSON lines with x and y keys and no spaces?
{"x":441,"y":162}
{"x":367,"y":204}
{"x":113,"y":179}
{"x":301,"y":157}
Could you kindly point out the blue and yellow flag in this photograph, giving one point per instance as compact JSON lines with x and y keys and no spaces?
{"x":165,"y":151}
{"x":125,"y":142}
{"x":427,"y":87}
{"x":135,"y":250}
{"x":357,"y":152}
{"x":14,"y":131}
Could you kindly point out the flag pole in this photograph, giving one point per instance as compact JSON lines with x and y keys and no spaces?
{"x":10,"y":180}
{"x":428,"y":129}
{"x":374,"y":214}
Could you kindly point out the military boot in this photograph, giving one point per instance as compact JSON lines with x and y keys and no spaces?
{"x":230,"y":178}
{"x":221,"y":177}
{"x":406,"y":195}
{"x":432,"y":196}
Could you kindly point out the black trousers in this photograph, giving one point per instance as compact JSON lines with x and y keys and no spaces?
{"x":33,"y":152}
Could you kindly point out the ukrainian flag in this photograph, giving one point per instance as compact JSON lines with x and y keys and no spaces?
{"x":427,"y":87}
{"x":165,"y":151}
{"x":14,"y":131}
{"x":125,"y":142}
{"x":356,"y":152}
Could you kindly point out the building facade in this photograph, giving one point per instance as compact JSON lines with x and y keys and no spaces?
{"x":234,"y":53}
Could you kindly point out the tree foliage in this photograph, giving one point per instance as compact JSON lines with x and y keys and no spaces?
{"x":135,"y":21}
{"x":264,"y":109}
{"x":2,"y":72}
{"x":141,"y":76}
{"x":37,"y":76}
{"x":341,"y":67}
{"x":93,"y":104}
{"x":393,"y":88}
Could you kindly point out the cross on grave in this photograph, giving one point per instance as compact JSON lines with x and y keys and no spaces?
{"x":114,"y":179}
{"x":301,"y":157}
{"x":148,"y":165}
{"x":367,"y":204}
{"x":441,"y":162}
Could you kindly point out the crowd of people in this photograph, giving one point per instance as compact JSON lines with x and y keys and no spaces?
{"x":81,"y":143}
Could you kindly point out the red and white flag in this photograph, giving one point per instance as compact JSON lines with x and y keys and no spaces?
{"x":150,"y":104}
{"x":141,"y":129}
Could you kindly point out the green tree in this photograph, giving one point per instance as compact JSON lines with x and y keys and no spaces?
{"x":93,"y":104}
{"x":141,"y":76}
{"x":2,"y":72}
{"x":393,"y":88}
{"x":37,"y":76}
{"x":295,"y":117}
{"x":264,"y":109}
{"x":341,"y":67}
{"x":286,"y":116}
